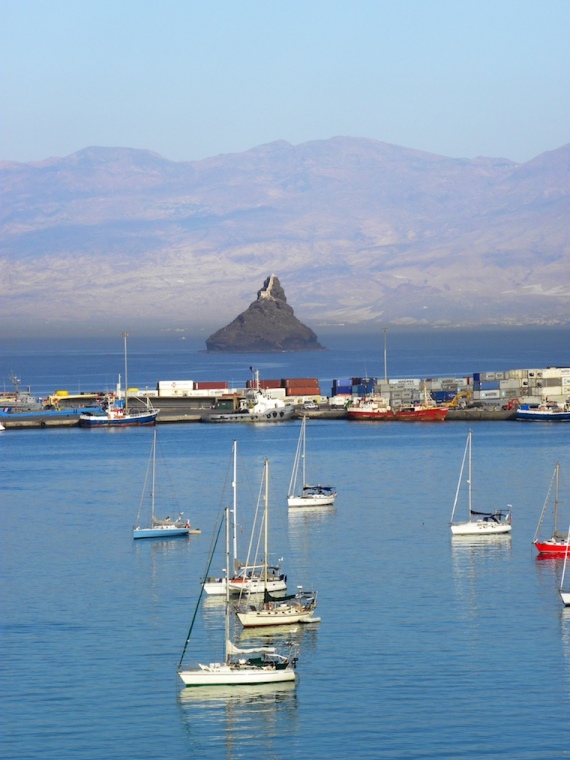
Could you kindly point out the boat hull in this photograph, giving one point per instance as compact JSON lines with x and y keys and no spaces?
{"x":543,"y":415}
{"x":322,"y":500}
{"x":280,"y":615}
{"x":257,"y":586}
{"x":273,"y":415}
{"x":551,"y":548}
{"x":126,"y":420}
{"x":480,"y":528}
{"x":565,"y":596}
{"x":435,"y":414}
{"x":219,"y":674}
{"x":160,"y":532}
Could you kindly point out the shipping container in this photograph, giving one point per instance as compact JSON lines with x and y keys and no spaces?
{"x":404,"y":383}
{"x":512,"y":384}
{"x":489,"y":394}
{"x":175,"y":385}
{"x":207,"y":385}
{"x":303,"y":391}
{"x":556,"y":372}
{"x":300,"y":382}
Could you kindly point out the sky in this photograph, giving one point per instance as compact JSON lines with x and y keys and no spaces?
{"x":191,"y":79}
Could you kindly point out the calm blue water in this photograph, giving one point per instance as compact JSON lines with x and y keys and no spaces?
{"x":428,"y":647}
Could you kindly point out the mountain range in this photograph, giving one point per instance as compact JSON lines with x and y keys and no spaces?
{"x":360,"y":233}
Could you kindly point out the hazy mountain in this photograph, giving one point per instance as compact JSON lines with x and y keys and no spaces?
{"x":356,"y":230}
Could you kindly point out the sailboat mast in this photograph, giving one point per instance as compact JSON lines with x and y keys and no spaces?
{"x":266,"y":521}
{"x":304,"y":423}
{"x":125,"y":336}
{"x":153,"y":477}
{"x":470,"y":479}
{"x":234,"y":517}
{"x":556,"y":499}
{"x":227,"y":609}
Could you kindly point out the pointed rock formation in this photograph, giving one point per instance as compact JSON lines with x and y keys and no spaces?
{"x":268,"y":324}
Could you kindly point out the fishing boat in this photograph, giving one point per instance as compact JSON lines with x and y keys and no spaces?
{"x":565,"y":592}
{"x":242,"y":577}
{"x":546,"y":412}
{"x":294,"y":608}
{"x":555,"y":546}
{"x":377,"y":408}
{"x":479,"y":523}
{"x":256,"y":665}
{"x":257,"y":406}
{"x":157,"y":528}
{"x":306,"y":495}
{"x":116,"y":413}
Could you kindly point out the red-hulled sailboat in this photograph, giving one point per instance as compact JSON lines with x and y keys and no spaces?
{"x":555,"y":546}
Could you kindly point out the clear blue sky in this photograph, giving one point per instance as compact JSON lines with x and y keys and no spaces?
{"x":190,"y":79}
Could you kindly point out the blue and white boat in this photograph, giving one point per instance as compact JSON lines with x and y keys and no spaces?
{"x":117,"y":414}
{"x":547,"y":412}
{"x":115,"y":411}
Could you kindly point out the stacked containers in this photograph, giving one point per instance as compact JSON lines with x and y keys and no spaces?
{"x":304,"y":386}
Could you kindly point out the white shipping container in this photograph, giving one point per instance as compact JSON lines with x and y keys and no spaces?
{"x":554,"y":390}
{"x":176,"y":385}
{"x":277,"y":392}
{"x":488,"y":394}
{"x":404,"y":384}
{"x":557,"y":372}
{"x":513,"y":384}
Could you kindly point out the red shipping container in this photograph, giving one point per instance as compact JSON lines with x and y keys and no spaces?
{"x":210,"y":385}
{"x":303,"y":391}
{"x":302,"y":382}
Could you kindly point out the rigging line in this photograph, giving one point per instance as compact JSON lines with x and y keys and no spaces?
{"x":199,"y":596}
{"x":145,"y":494}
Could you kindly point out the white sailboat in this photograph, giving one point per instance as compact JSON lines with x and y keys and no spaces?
{"x":306,"y":495}
{"x":247,"y":577}
{"x":479,"y":523}
{"x":565,"y":593}
{"x":166,"y":528}
{"x":259,"y":665}
{"x":296,"y":608}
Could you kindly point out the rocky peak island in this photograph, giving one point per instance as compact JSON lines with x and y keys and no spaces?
{"x":268,"y":324}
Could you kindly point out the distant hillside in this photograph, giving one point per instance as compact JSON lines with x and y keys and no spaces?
{"x":358,"y":231}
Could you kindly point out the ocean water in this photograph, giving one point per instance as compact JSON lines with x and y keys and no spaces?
{"x":428,"y":647}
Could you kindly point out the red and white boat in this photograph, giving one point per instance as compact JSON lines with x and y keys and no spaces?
{"x":555,"y":546}
{"x":377,"y":408}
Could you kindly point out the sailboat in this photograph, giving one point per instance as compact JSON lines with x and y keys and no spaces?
{"x":166,"y":528}
{"x":565,"y":593}
{"x":309,"y":496}
{"x":259,"y":665}
{"x":295,"y":608}
{"x":555,"y":546}
{"x":246,"y":577}
{"x":479,"y":523}
{"x":116,"y":412}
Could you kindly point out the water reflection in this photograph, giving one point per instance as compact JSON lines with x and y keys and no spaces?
{"x":239,"y":721}
{"x":565,"y":636}
{"x":298,"y":640}
{"x":473,"y":559}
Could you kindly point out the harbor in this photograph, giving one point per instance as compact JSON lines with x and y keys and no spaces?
{"x":488,"y":396}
